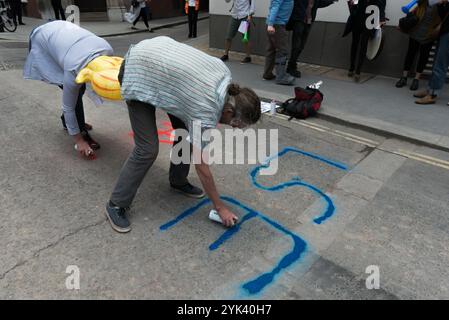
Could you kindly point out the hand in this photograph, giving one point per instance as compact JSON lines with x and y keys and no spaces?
{"x":250,"y":18}
{"x":84,"y":148}
{"x":271,"y":30}
{"x":229,"y":219}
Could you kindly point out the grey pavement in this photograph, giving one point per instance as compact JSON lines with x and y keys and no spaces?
{"x":391,"y":210}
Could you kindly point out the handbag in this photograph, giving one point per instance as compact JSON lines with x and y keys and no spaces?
{"x":435,"y":34}
{"x":408,"y":23}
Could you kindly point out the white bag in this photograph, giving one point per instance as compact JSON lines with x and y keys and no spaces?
{"x":132,"y":15}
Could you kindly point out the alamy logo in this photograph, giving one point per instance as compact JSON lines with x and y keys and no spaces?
{"x":373,"y":280}
{"x":234,"y":146}
{"x":72,"y":282}
{"x":73,"y":14}
{"x":373,"y":20}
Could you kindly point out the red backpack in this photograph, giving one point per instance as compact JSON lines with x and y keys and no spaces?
{"x":306,"y":103}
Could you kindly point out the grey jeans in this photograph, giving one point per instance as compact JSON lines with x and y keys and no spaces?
{"x":277,"y":50}
{"x":143,"y":123}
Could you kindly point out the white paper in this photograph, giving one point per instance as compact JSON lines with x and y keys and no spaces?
{"x":266,"y":107}
{"x":243,"y":27}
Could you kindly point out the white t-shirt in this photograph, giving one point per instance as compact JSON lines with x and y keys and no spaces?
{"x":191,"y":3}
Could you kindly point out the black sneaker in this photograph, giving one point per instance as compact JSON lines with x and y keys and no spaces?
{"x":189,"y":190}
{"x":224,"y":57}
{"x":415,"y":85}
{"x":294,"y":73}
{"x":117,"y":218}
{"x":246,"y":60}
{"x":401,"y":82}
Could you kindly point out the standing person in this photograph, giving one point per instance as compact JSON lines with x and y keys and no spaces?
{"x":441,"y":63}
{"x":58,"y":9}
{"x":242,"y":10}
{"x":420,"y":42}
{"x":301,"y":20}
{"x":143,"y":14}
{"x":277,"y":51}
{"x":59,"y":50}
{"x":192,"y":7}
{"x":16,"y":8}
{"x":361,"y":34}
{"x":190,"y":91}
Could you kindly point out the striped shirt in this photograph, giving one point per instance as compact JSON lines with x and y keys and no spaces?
{"x":178,"y":79}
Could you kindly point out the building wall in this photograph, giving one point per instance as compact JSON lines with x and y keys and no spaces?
{"x":326,"y":45}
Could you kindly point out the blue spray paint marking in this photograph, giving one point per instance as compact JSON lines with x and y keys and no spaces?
{"x":258,"y":284}
{"x":330,"y":208}
{"x":261,"y":282}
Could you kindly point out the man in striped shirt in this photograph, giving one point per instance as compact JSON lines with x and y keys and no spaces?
{"x":191,"y":87}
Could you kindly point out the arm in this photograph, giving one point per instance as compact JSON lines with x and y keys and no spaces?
{"x":382,"y":6}
{"x":276,"y":4}
{"x":252,"y":9}
{"x":207,"y":180}
{"x":69,"y":100}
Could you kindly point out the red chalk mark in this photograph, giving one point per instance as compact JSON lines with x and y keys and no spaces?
{"x":167,"y":131}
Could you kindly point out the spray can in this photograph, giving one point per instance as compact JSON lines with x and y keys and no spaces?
{"x":273,"y":108}
{"x":213,"y":215}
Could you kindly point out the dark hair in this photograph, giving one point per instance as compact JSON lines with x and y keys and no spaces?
{"x":247,"y":103}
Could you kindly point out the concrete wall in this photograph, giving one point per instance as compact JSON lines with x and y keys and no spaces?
{"x":326,"y":45}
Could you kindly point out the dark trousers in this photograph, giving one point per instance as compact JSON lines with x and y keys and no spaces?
{"x":143,"y":123}
{"x":146,"y":140}
{"x":193,"y":22}
{"x":58,"y":9}
{"x":144,"y":15}
{"x":277,"y":49}
{"x":79,"y":110}
{"x":16,"y":8}
{"x":414,"y":49}
{"x":358,"y":48}
{"x":301,"y":31}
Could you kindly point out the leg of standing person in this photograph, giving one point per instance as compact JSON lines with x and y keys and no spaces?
{"x":439,"y":73}
{"x":362,"y":54}
{"x":137,"y":19}
{"x":270,"y":58}
{"x":61,"y":9}
{"x":424,"y":53}
{"x":18,"y":4}
{"x":143,"y":124}
{"x":195,"y":23}
{"x":299,"y":38}
{"x":354,"y":50}
{"x":180,"y":171}
{"x":145,"y":17}
{"x":281,"y":44}
{"x":190,"y":18}
{"x":412,"y":51}
{"x":232,"y":31}
{"x":54,"y":4}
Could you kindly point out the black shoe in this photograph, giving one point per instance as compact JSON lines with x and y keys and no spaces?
{"x":294,"y":73}
{"x":357,"y":77}
{"x":415,"y":85}
{"x":190,"y":36}
{"x":246,"y":60}
{"x":269,"y":77}
{"x":350,"y":73}
{"x":22,"y":24}
{"x":401,"y":82}
{"x":225,"y":58}
{"x":117,"y":218}
{"x":92,"y":143}
{"x":190,"y":191}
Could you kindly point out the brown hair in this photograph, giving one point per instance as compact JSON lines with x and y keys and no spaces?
{"x":247,"y":103}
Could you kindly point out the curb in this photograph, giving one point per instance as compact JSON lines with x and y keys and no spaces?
{"x":168,"y":25}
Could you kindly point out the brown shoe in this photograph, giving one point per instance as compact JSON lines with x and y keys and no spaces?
{"x":428,"y":99}
{"x":421,"y":94}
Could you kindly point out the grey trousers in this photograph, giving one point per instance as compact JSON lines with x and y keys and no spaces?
{"x":143,"y":123}
{"x":277,"y":50}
